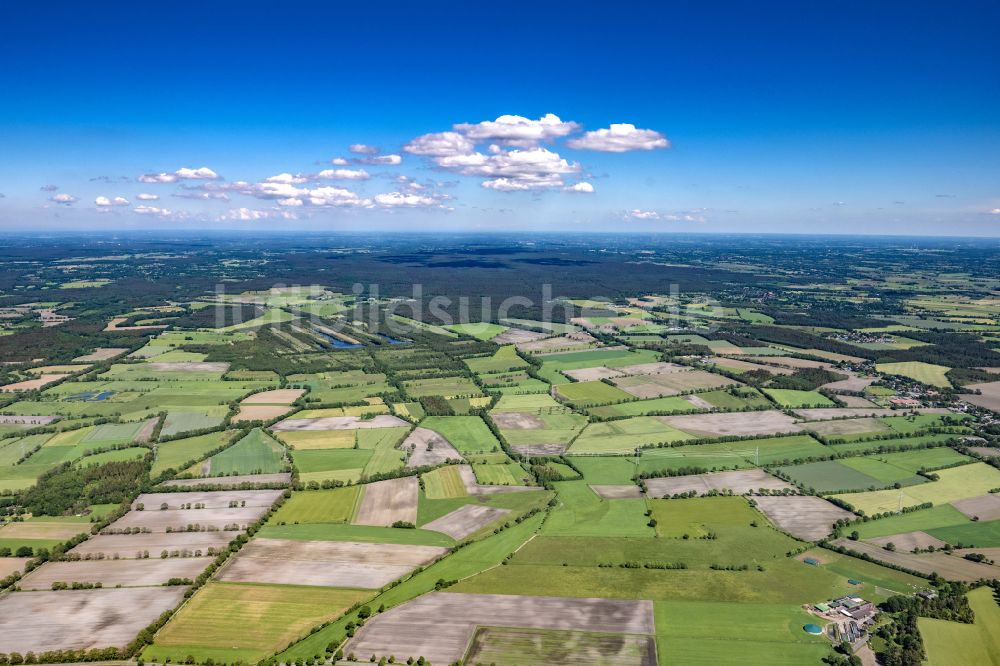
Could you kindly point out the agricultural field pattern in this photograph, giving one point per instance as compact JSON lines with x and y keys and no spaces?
{"x":725,"y":451}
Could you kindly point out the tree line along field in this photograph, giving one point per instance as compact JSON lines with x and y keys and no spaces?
{"x":603,"y":459}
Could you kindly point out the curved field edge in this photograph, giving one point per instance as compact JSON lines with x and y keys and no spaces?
{"x":469,"y":561}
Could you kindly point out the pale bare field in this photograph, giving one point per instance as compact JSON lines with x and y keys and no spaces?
{"x":101,"y":354}
{"x":517,"y":421}
{"x":9,"y":565}
{"x":617,"y":491}
{"x":127,"y":545}
{"x":326,"y":563}
{"x":386,"y":502}
{"x":188,"y":366}
{"x":75,"y":619}
{"x":737,"y":364}
{"x":671,"y":383}
{"x":146,"y":432}
{"x":473,"y":487}
{"x":592,"y":374}
{"x":428,"y":448}
{"x":540,"y":449}
{"x":907,"y":541}
{"x":159,"y":521}
{"x":518,"y":336}
{"x":341,"y":423}
{"x":804,"y":517}
{"x":789,"y":361}
{"x":440,"y":625}
{"x":465,"y":520}
{"x":700,"y":403}
{"x":854,"y":382}
{"x":845,"y":426}
{"x":214,"y":499}
{"x":111,"y":573}
{"x":260,"y":412}
{"x":855,"y":401}
{"x":10,"y":419}
{"x":990,"y":398}
{"x":275,"y":397}
{"x":655,"y":368}
{"x":824,"y":413}
{"x":984,"y":507}
{"x":985,"y":451}
{"x":560,"y":342}
{"x":43,"y":530}
{"x":740,"y":482}
{"x":280,"y":477}
{"x":769,"y":422}
{"x":32,"y":384}
{"x":951,"y":567}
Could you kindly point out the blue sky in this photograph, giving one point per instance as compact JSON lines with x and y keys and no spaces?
{"x":687,"y":116}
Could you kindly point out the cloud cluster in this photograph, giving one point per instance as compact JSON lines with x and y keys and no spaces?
{"x":153,"y":211}
{"x":619,"y":138}
{"x":64,"y":199}
{"x":515,"y":159}
{"x":659,"y":216}
{"x":105,"y":202}
{"x":184,"y":173}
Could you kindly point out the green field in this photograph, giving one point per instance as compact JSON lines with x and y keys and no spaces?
{"x":504,"y":359}
{"x":251,"y":621}
{"x":979,"y":534}
{"x":955,"y":483}
{"x":925,"y":373}
{"x":791,"y":399}
{"x":318,"y":506}
{"x":503,"y":474}
{"x":696,"y":632}
{"x":443,"y":483}
{"x":606,"y":470}
{"x":589,"y":394}
{"x":175,"y":453}
{"x":950,"y":643}
{"x":580,"y":512}
{"x":626,"y":435}
{"x":256,"y":453}
{"x":468,"y":434}
{"x":943,"y":515}
{"x":359,"y":533}
{"x":444,"y":386}
{"x":481,"y":330}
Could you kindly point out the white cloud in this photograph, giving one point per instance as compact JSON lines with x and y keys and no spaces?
{"x":440,"y":144}
{"x":363,"y":149}
{"x":201,"y":173}
{"x":402,"y":200}
{"x":695,"y":215}
{"x":383,"y":160}
{"x":518,"y":130}
{"x":342,"y":174}
{"x":250,"y":214}
{"x":336,"y":196}
{"x":142,"y":196}
{"x":49,"y":188}
{"x":202,"y":196}
{"x":339,"y":161}
{"x":286,"y":178}
{"x":620,"y":138}
{"x":184,"y":173}
{"x":995,"y":211}
{"x":152,"y":210}
{"x":291,"y":202}
{"x":581,"y":188}
{"x":117,"y":201}
{"x":636,"y":214}
{"x":64,"y":199}
{"x":512,"y":171}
